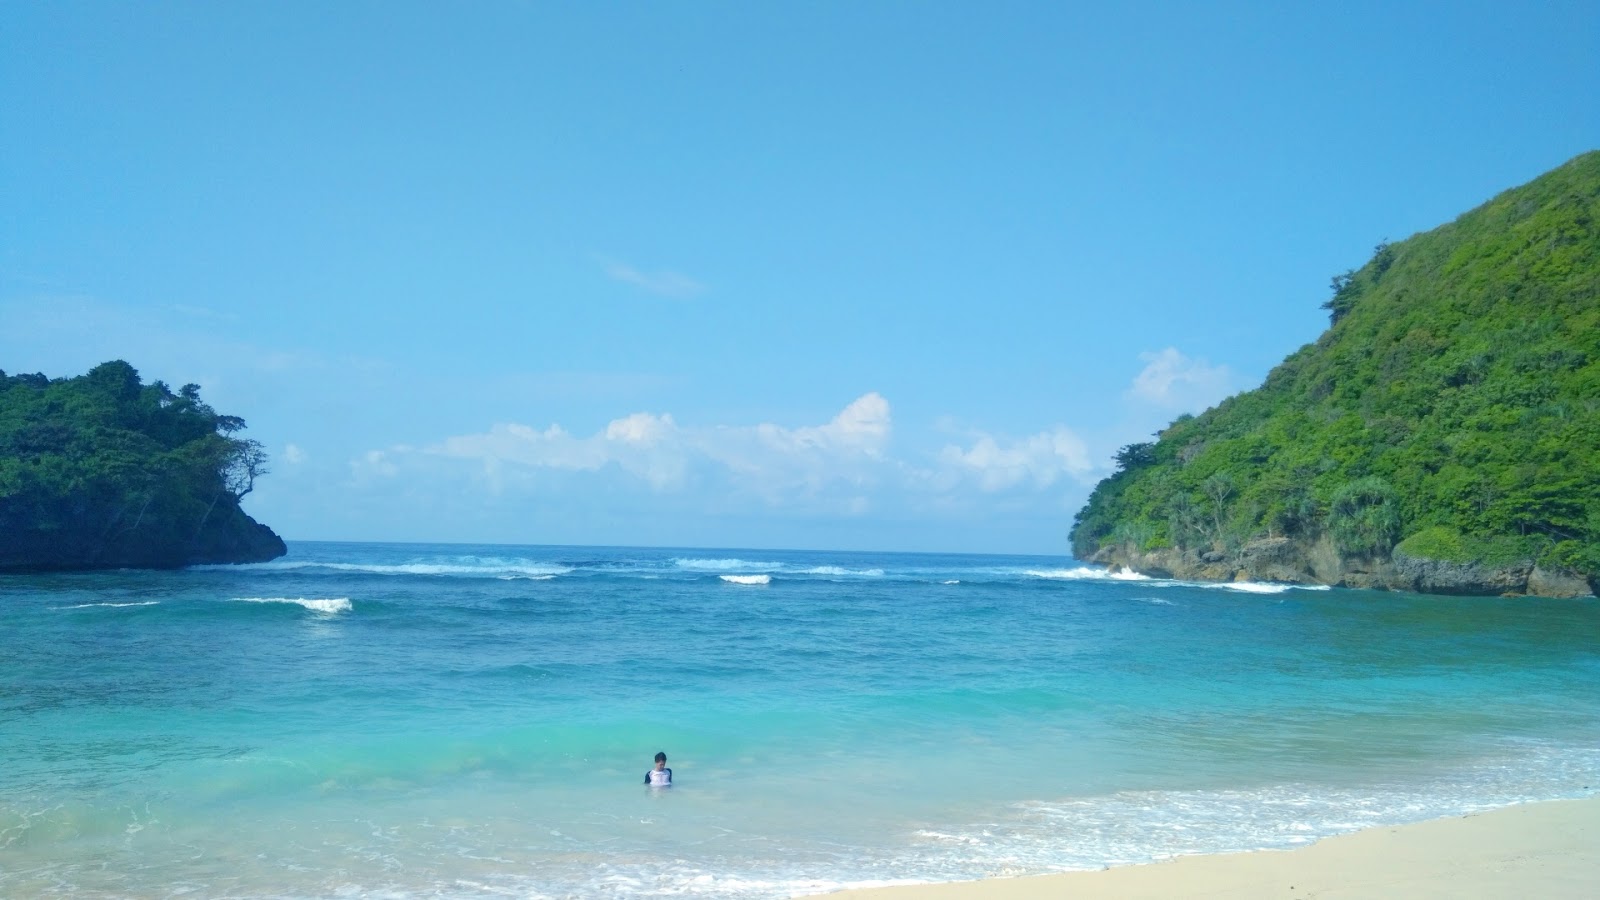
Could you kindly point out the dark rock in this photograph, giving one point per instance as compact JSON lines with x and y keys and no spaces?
{"x":1558,"y":583}
{"x":228,"y":535}
{"x":1437,"y":576}
{"x":1317,"y":561}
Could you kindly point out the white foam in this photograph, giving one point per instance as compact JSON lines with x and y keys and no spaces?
{"x":747,"y":579}
{"x":1085,"y":573}
{"x":948,"y":838}
{"x":327,"y":606}
{"x":525,"y":577}
{"x":1249,"y":587}
{"x":87,"y":605}
{"x":951,"y":581}
{"x":840,"y":571}
{"x":718,"y":565}
{"x":485,"y":567}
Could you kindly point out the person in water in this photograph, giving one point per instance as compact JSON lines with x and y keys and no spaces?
{"x":660,"y":776}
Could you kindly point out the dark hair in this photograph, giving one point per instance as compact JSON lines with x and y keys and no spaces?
{"x":661,"y":757}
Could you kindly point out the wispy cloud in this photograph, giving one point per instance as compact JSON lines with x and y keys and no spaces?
{"x":1172,"y":381}
{"x":665,"y":283}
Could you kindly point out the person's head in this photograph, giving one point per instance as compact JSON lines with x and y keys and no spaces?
{"x":661,"y":760}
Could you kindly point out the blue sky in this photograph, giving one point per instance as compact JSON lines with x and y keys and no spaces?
{"x":858,"y":276}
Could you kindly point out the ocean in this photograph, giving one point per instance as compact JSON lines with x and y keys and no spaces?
{"x":410,"y":720}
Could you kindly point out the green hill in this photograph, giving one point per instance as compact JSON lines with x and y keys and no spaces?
{"x":1442,"y":435}
{"x":102,"y":471}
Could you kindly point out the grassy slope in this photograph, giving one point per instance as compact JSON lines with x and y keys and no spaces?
{"x":1456,"y":402}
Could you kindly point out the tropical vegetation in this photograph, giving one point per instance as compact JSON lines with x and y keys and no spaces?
{"x":1450,"y":411}
{"x":103,"y":470}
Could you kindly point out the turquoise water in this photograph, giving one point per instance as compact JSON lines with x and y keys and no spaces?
{"x":474,"y":721}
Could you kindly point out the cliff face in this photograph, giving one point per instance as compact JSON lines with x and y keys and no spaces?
{"x":1443,"y":435}
{"x":228,"y":536}
{"x":1319,"y":562}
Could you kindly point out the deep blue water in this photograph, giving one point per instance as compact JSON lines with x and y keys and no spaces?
{"x":452,"y":720}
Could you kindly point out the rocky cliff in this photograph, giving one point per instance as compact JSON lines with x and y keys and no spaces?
{"x":1280,"y":559}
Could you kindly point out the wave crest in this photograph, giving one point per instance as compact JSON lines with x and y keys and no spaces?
{"x":326,"y":606}
{"x":718,"y":565}
{"x":841,"y":571}
{"x":1085,"y":573}
{"x":747,"y":579}
{"x":1264,"y":587}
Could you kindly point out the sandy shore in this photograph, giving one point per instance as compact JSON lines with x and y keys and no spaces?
{"x":1538,"y":850}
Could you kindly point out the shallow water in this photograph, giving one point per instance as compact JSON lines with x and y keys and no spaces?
{"x":452,"y":720}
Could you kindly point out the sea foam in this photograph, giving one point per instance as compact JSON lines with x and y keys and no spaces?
{"x":327,"y":606}
{"x":1085,"y":573}
{"x":841,"y":571}
{"x":747,"y":579}
{"x":1263,"y":587}
{"x":719,"y":565}
{"x":87,"y":605}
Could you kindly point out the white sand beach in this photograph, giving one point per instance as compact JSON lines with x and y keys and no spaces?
{"x":1549,"y":851}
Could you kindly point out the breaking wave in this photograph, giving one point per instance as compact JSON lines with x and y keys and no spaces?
{"x":721,"y":565}
{"x":1263,"y":587}
{"x":747,"y":579}
{"x":841,"y":571}
{"x":1085,"y":573}
{"x":327,"y":606}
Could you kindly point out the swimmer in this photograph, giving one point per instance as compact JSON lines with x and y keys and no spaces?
{"x":660,"y":776}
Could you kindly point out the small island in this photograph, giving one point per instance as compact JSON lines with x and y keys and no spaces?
{"x":103,"y":471}
{"x":1442,"y":436}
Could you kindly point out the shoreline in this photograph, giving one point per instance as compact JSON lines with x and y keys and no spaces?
{"x":1547,"y":849}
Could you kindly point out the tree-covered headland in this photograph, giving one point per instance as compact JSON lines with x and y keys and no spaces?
{"x":1442,"y":435}
{"x":104,"y":471}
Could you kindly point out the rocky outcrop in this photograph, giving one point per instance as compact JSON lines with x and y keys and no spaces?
{"x":1290,"y":561}
{"x":1544,"y":582}
{"x":228,"y":535}
{"x":1438,"y":576}
{"x":238,"y":539}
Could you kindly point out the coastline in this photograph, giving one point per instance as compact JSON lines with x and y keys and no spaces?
{"x":1547,"y":849}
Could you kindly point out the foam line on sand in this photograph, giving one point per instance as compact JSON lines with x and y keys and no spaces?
{"x":1545,"y":850}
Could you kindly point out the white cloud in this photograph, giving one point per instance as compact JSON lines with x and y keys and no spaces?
{"x":1038,"y":461}
{"x":665,"y":283}
{"x":770,"y":459}
{"x":642,"y":428}
{"x":377,"y":463}
{"x":293,"y":455}
{"x":843,"y":466}
{"x":1173,"y":381}
{"x":860,"y":428}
